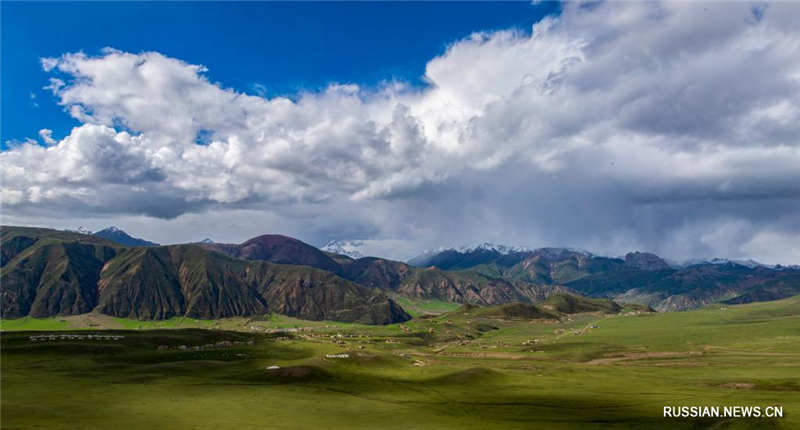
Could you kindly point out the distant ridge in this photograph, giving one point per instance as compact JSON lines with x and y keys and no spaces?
{"x":637,"y":277}
{"x":277,"y":248}
{"x":746,"y":263}
{"x":115,"y":234}
{"x":347,"y":248}
{"x":468,"y":256}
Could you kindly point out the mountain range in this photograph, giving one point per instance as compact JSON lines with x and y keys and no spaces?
{"x":637,"y":277}
{"x":117,"y":235}
{"x":49,"y":272}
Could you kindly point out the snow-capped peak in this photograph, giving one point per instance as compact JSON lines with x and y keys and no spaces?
{"x":556,"y":252}
{"x":488,"y":246}
{"x":83,"y":230}
{"x":746,"y":263}
{"x":344,"y":247}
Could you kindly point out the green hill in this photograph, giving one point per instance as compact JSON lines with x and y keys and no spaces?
{"x":572,"y":304}
{"x":553,"y":308}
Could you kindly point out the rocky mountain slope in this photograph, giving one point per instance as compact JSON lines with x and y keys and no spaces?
{"x":433,"y":283}
{"x":388,"y":275}
{"x":638,"y":277}
{"x":46,"y":273}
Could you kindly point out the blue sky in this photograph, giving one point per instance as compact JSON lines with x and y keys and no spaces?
{"x":276,"y":48}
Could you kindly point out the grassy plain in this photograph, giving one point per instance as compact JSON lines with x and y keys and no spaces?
{"x":455,"y":370}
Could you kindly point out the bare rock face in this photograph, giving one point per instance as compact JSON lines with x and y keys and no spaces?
{"x":451,"y":286}
{"x":476,"y":290}
{"x":458,"y":288}
{"x":645,"y":261}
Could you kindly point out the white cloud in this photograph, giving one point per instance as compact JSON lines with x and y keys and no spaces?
{"x":48,"y":64}
{"x":47,"y":136}
{"x":611,"y":120}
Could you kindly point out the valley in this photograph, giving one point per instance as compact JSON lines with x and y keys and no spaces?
{"x":471,"y":367}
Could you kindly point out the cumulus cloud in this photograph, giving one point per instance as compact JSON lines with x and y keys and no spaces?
{"x":47,"y":136}
{"x":671,"y":127}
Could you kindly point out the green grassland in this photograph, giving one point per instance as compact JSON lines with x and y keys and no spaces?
{"x":472,"y":368}
{"x":419,"y":307}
